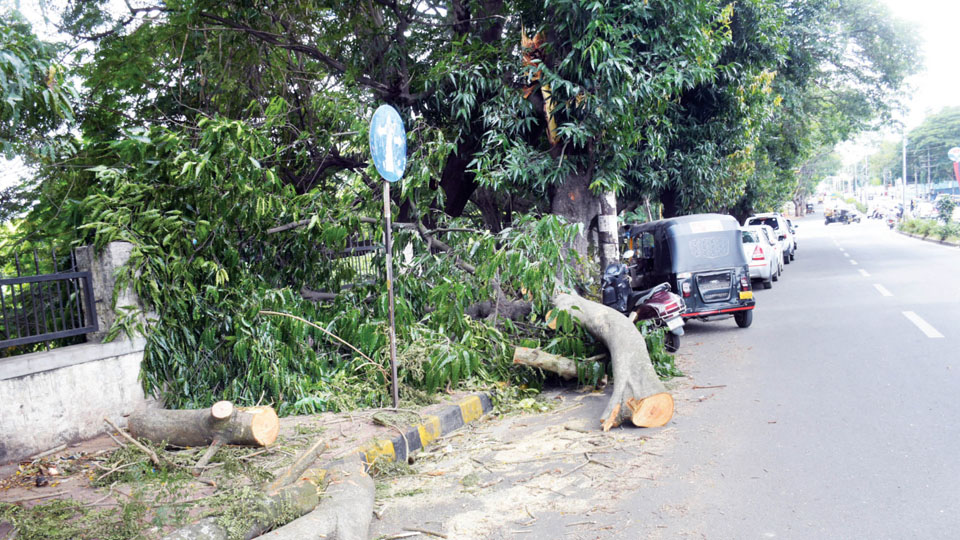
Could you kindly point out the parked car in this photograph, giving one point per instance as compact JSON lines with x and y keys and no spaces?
{"x":701,"y":258}
{"x":763,"y":252}
{"x":793,"y":231}
{"x":779,"y":225}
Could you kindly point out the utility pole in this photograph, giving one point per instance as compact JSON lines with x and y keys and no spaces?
{"x":903,"y":187}
{"x":867,"y":178}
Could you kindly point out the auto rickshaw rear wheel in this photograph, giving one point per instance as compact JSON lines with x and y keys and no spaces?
{"x":744,"y":318}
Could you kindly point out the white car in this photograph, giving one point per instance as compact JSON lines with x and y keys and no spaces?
{"x":763,"y":252}
{"x":793,"y":231}
{"x":782,"y":230}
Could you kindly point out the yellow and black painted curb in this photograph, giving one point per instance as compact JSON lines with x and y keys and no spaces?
{"x":433,"y":427}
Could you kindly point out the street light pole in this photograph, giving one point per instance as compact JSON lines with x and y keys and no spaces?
{"x":903,"y":187}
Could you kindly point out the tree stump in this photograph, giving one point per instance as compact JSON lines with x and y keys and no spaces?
{"x":638,"y":394}
{"x":250,"y":426}
{"x":268,"y":511}
{"x":344,"y":513}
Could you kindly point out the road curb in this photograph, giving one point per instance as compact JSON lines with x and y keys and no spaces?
{"x":419,"y":436}
{"x":931,"y":240}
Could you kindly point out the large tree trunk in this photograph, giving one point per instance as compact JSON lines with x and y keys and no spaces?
{"x":251,"y":426}
{"x":457,"y":183}
{"x":607,"y":230}
{"x":670,"y":199}
{"x":638,"y":395}
{"x":577,"y":204}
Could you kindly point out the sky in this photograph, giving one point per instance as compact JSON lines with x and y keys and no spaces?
{"x":938,"y":86}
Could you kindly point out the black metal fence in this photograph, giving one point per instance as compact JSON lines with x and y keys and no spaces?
{"x":51,"y":301}
{"x":359,"y":263}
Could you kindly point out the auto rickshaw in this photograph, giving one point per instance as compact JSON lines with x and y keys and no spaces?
{"x":701,"y":257}
{"x":840,"y":215}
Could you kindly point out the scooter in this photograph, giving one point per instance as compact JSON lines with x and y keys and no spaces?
{"x":891,"y":222}
{"x":658,"y":304}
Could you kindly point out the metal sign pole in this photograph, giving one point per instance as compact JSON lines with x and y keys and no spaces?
{"x":388,"y":249}
{"x":388,"y":148}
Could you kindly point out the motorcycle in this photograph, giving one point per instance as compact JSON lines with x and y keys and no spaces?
{"x":658,"y":304}
{"x":891,"y":222}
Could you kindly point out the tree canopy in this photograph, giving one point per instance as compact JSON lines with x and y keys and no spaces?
{"x":927,"y":147}
{"x":227,"y":141}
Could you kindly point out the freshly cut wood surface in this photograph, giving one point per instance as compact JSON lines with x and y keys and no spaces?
{"x":633,"y":375}
{"x":652,"y":411}
{"x":251,"y":426}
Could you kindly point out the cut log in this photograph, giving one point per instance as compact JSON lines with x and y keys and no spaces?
{"x":638,"y":395}
{"x":343,"y":514}
{"x":251,"y":426}
{"x":561,"y":365}
{"x":269,"y":511}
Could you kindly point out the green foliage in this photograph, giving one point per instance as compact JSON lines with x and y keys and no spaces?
{"x":71,"y":520}
{"x":910,"y":226}
{"x":204,"y":124}
{"x":948,"y":231}
{"x":931,"y":228}
{"x":663,"y":362}
{"x":196,"y":211}
{"x":926,"y":227}
{"x":945,"y":208}
{"x":34,"y":96}
{"x":843,"y":72}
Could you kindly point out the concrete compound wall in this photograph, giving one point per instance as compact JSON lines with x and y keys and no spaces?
{"x":65,"y":394}
{"x":62,"y":395}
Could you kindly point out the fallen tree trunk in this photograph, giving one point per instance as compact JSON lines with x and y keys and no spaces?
{"x":638,"y":395}
{"x":266,"y":512}
{"x":250,"y":426}
{"x":343,"y":514}
{"x":561,"y":365}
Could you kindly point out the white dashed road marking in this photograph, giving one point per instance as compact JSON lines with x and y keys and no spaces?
{"x":883,"y":290}
{"x":923,"y":325}
{"x":864,"y":273}
{"x":853,"y":262}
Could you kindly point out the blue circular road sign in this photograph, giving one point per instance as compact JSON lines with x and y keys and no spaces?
{"x":388,"y":143}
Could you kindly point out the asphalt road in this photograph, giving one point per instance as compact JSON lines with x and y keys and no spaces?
{"x":840,"y":415}
{"x":836,"y":415}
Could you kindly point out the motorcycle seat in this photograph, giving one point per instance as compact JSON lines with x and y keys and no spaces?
{"x":644,"y":295}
